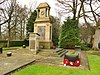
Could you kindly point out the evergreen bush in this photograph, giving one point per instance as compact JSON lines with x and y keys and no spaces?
{"x":69,"y":36}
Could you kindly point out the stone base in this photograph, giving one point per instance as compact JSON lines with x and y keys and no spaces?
{"x":45,"y":44}
{"x":33,"y":51}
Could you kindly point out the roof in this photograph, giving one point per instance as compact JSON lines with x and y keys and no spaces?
{"x":42,"y":5}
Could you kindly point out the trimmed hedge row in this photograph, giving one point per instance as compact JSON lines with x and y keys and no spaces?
{"x":3,"y":43}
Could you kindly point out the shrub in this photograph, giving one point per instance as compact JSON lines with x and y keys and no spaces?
{"x":69,"y":36}
{"x":89,"y":45}
{"x":3,"y":43}
{"x":84,"y":47}
{"x":18,"y":43}
{"x":26,"y":42}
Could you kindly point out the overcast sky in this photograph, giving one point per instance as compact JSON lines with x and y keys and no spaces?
{"x":37,"y":2}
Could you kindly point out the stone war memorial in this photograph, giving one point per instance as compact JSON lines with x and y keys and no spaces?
{"x":41,"y":38}
{"x":42,"y":35}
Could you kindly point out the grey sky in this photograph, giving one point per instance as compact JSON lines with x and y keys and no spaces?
{"x":37,"y":2}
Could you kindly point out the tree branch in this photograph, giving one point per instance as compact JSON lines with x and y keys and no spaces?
{"x":93,"y":12}
{"x":4,"y":22}
{"x":3,"y":1}
{"x":82,"y":1}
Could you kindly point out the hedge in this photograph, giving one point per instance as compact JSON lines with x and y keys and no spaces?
{"x":3,"y":43}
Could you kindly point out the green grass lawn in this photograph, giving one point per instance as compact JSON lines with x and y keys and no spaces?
{"x":11,"y":48}
{"x":36,"y":69}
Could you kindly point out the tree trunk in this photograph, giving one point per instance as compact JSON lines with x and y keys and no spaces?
{"x":96,"y":39}
{"x":74,"y":10}
{"x":97,"y":32}
{"x":24,"y":29}
{"x":80,"y":9}
{"x":0,"y":32}
{"x":8,"y":44}
{"x":93,"y":12}
{"x":84,"y":15}
{"x":15,"y":27}
{"x":21,"y":32}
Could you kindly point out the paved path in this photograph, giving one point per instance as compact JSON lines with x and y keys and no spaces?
{"x":49,"y":57}
{"x":18,"y":58}
{"x":84,"y":61}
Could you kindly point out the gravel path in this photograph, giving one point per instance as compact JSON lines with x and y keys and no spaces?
{"x":18,"y":58}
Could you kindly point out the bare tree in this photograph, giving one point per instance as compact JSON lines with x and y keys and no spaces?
{"x":86,"y":33}
{"x":14,"y":19}
{"x":71,"y":6}
{"x":1,"y":10}
{"x":97,"y":31}
{"x":10,"y":12}
{"x":2,"y":1}
{"x":7,"y":11}
{"x":23,"y":15}
{"x":79,"y":8}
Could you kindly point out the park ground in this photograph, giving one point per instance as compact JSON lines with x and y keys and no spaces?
{"x":40,"y":69}
{"x":37,"y":69}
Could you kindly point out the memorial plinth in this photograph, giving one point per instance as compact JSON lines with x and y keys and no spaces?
{"x":33,"y":42}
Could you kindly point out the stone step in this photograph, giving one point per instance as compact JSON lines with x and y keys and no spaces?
{"x":62,"y":54}
{"x":48,"y":53}
{"x":58,"y":50}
